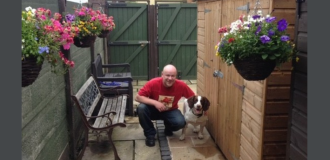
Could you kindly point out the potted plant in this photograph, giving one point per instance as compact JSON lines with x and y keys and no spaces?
{"x":42,"y":37}
{"x":89,"y":26}
{"x":255,"y":45}
{"x":107,"y":24}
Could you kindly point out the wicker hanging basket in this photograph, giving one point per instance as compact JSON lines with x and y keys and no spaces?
{"x":84,"y":42}
{"x":254,"y":68}
{"x":30,"y":71}
{"x":104,"y":33}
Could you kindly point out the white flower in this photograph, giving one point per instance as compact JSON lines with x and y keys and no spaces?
{"x":28,"y":8}
{"x":31,"y":10}
{"x":23,"y":40}
{"x":259,"y":12}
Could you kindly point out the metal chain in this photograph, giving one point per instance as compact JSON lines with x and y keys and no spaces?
{"x":257,"y":7}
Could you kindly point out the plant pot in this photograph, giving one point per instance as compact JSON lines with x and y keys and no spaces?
{"x":254,"y":68}
{"x":84,"y":42}
{"x":104,"y":33}
{"x":30,"y":71}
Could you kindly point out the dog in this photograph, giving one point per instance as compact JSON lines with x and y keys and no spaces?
{"x":194,"y":111}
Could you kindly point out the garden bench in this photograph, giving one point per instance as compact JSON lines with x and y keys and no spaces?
{"x":116,"y":75}
{"x":99,"y":113}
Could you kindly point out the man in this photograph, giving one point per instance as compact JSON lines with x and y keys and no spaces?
{"x":159,"y":100}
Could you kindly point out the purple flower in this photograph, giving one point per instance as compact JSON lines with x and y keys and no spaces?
{"x":284,"y":38}
{"x":258,"y":30}
{"x":249,"y":25}
{"x":270,"y":19}
{"x":264,"y":39}
{"x":282,"y":24}
{"x":256,"y":17}
{"x":70,"y":17}
{"x":43,"y":49}
{"x":271,"y":33}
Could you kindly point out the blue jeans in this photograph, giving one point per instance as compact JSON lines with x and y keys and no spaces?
{"x":173,"y":120}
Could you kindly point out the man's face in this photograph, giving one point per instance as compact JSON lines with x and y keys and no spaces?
{"x":169,"y":77}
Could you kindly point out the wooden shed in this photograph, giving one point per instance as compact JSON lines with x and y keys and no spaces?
{"x":247,"y":119}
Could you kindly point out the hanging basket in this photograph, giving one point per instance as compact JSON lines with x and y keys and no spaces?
{"x":30,"y":71}
{"x":104,"y":33}
{"x":84,"y":42}
{"x":254,"y":68}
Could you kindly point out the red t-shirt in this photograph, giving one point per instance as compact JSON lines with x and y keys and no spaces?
{"x":155,"y":89}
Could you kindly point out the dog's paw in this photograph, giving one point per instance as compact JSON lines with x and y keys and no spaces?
{"x":200,"y":136}
{"x":195,"y":130}
{"x":181,"y":137}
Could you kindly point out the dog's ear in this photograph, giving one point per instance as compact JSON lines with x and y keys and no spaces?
{"x":190,"y":101}
{"x":205,"y":104}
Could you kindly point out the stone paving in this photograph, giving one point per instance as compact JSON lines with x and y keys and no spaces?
{"x":130,"y":141}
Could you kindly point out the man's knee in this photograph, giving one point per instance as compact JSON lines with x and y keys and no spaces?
{"x":182,"y":124}
{"x":141,"y":108}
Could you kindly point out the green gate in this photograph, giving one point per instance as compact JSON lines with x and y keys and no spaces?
{"x":148,"y":42}
{"x":177,"y":37}
{"x":128,"y":42}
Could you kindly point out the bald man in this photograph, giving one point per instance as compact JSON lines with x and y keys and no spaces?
{"x":159,"y":101}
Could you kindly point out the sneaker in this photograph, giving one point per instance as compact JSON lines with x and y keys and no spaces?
{"x":150,"y":141}
{"x":168,"y":132}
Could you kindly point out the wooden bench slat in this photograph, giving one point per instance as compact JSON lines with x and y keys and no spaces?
{"x":116,"y":117}
{"x":93,"y":106}
{"x":109,"y":104}
{"x":122,"y":110}
{"x":101,"y":112}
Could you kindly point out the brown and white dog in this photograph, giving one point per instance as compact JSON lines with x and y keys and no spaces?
{"x":194,"y":109}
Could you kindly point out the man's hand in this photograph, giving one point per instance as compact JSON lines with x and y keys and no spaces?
{"x":161,"y":107}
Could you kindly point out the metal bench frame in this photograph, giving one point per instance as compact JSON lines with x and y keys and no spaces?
{"x":99,"y":113}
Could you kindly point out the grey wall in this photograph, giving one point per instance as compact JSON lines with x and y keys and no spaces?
{"x":45,"y":133}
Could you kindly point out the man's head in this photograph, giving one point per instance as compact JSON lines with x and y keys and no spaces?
{"x":169,"y":75}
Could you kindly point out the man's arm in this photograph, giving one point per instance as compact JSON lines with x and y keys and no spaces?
{"x":142,"y":99}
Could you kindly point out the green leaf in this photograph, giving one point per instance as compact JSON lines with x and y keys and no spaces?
{"x":272,"y":57}
{"x":264,"y":56}
{"x":277,"y":55}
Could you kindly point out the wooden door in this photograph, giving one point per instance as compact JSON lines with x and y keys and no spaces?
{"x":177,"y":34}
{"x":128,"y":42}
{"x":297,"y":136}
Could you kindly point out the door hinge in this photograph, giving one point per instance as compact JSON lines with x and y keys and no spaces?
{"x":299,"y":6}
{"x":238,"y":86}
{"x":205,"y":64}
{"x":207,"y":11}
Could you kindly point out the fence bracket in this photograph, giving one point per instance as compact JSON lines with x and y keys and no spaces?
{"x":245,"y":8}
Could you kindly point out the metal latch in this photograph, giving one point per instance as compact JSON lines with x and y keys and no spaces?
{"x":143,"y":43}
{"x":217,"y":73}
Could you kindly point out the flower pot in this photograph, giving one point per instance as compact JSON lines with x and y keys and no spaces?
{"x":30,"y":71}
{"x":254,"y":68}
{"x":84,"y":42}
{"x":104,"y":33}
